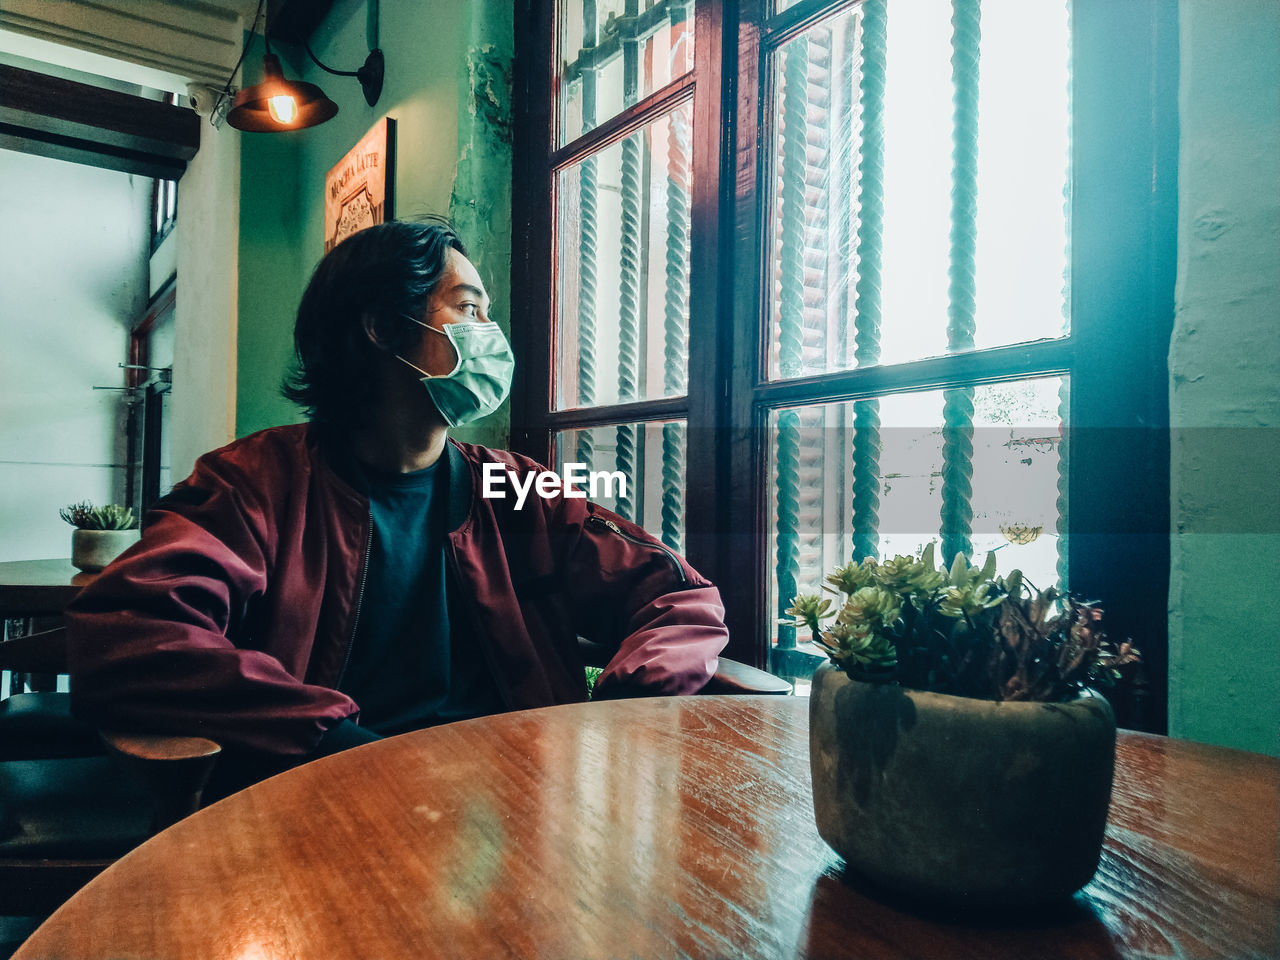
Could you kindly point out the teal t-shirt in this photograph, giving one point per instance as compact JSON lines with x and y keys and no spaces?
{"x":406,"y":670}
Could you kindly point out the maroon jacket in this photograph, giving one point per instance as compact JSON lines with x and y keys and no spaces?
{"x":234,"y":615}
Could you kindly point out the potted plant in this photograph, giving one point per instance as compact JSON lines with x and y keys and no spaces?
{"x":959,"y":752}
{"x":101,"y":533}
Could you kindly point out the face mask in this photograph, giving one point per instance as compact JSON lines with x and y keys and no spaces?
{"x":482,"y":378}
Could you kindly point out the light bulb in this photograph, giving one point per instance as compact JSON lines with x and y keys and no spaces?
{"x":283,"y":109}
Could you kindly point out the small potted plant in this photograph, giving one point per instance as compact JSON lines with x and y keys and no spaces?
{"x":101,"y":533}
{"x":960,"y":753}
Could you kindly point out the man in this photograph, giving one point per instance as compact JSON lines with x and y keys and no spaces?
{"x":311,"y":587}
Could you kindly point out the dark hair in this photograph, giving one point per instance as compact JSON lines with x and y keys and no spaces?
{"x":384,"y":271}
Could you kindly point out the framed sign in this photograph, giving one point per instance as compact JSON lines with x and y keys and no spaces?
{"x":359,"y":191}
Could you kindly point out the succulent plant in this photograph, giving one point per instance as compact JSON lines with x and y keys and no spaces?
{"x":960,"y":630}
{"x":809,"y":610}
{"x":85,"y":516}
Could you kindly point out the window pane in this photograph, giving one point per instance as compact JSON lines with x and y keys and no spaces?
{"x":650,"y":457}
{"x":975,"y":469}
{"x":901,"y":226}
{"x":1022,"y":226}
{"x":613,"y":55}
{"x":623,"y":268}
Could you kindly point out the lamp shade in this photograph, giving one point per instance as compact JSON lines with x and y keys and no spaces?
{"x":255,"y":111}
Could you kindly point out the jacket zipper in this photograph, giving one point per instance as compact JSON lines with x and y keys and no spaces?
{"x":355,"y":623}
{"x":468,"y":600}
{"x":643,"y":543}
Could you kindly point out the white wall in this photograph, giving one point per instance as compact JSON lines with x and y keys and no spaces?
{"x":202,"y":404}
{"x":1224,"y":618}
{"x":73,"y":277}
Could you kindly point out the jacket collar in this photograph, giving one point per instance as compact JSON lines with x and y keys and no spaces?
{"x":462,"y":482}
{"x":461,"y":485}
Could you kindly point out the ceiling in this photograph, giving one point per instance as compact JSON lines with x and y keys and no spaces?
{"x":89,"y":80}
{"x":196,"y":41}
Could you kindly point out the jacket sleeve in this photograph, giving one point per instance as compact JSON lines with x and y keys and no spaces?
{"x":641,"y":599}
{"x":150,"y":639}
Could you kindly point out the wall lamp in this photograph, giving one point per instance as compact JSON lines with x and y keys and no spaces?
{"x":278,"y":104}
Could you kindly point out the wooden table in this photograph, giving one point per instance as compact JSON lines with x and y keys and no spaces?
{"x":39,"y":588}
{"x":657,"y":828}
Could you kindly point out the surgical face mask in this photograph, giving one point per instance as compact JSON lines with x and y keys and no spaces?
{"x":482,"y":378}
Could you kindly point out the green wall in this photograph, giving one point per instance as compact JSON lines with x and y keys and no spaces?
{"x":448,"y":87}
{"x":448,"y":68}
{"x":272,"y":275}
{"x":1224,"y":614}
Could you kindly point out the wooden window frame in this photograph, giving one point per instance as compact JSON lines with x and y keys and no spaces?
{"x":534,"y":421}
{"x":1123,"y":213}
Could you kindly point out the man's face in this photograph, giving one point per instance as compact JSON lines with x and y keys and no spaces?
{"x":459,"y":297}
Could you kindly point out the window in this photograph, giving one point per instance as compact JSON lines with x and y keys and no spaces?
{"x":164,"y":210}
{"x":619,"y":173}
{"x":164,"y":201}
{"x":907,"y":282}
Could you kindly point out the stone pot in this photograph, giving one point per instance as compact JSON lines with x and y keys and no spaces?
{"x":93,"y":549}
{"x":960,"y":802}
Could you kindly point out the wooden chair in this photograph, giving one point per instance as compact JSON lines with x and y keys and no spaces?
{"x":38,"y":724}
{"x":74,"y":799}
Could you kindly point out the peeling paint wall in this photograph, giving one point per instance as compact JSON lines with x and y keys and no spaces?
{"x":480,"y":202}
{"x":448,"y":87}
{"x":1224,"y":622}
